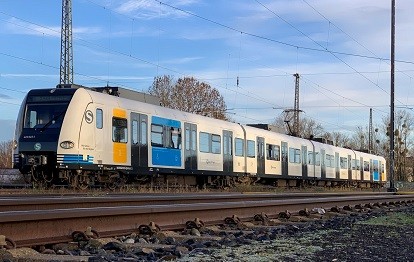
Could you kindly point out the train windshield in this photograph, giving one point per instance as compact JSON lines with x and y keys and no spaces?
{"x":42,"y":116}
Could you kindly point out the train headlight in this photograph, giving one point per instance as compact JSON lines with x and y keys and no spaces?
{"x":14,"y":144}
{"x":67,"y":144}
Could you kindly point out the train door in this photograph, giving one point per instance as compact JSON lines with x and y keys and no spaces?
{"x":190,"y":152}
{"x":99,"y":135}
{"x":374,"y":170}
{"x":139,"y":141}
{"x":260,"y":156}
{"x":337,"y":166}
{"x":285,"y":159}
{"x":227,"y":151}
{"x":323,"y":167}
{"x":361,"y":170}
{"x":349,"y":168}
{"x":380,"y":171}
{"x":371,"y":171}
{"x":304,"y":161}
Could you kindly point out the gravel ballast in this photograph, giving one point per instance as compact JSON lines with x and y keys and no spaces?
{"x":385,"y":234}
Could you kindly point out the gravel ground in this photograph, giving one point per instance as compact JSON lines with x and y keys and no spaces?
{"x":383,"y":236}
{"x":376,"y":235}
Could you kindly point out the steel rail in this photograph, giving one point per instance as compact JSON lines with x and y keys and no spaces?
{"x":35,"y":227}
{"x":44,"y":202}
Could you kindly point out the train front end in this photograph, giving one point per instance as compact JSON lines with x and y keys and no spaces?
{"x":37,"y":132}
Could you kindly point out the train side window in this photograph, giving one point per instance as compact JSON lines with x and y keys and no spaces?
{"x":99,"y":118}
{"x":366,"y":166}
{"x":187,"y":139}
{"x":251,"y":148}
{"x":119,"y":130}
{"x":310,"y":157}
{"x":357,"y":165}
{"x":143,"y":132}
{"x":294,"y":155}
{"x":204,"y":142}
{"x":175,"y":141}
{"x":344,"y":163}
{"x":239,"y":147}
{"x":134,"y":132}
{"x":157,"y":136}
{"x":193,"y":140}
{"x":330,"y":160}
{"x":215,"y":144}
{"x":317,"y":159}
{"x":273,"y":152}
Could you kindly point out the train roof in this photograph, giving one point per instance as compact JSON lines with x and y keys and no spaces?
{"x":119,"y":92}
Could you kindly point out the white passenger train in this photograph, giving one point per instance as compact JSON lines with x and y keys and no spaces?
{"x":86,"y":136}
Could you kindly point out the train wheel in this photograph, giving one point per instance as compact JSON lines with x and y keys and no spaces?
{"x":115,"y":180}
{"x":79,"y":180}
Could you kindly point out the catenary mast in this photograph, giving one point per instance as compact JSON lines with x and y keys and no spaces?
{"x":66,"y":51}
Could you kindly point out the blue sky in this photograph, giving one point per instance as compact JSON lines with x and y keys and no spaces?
{"x":263,"y":43}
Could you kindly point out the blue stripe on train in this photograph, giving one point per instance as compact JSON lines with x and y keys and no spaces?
{"x":166,"y":122}
{"x":375,"y":174}
{"x":74,"y":159}
{"x":162,"y":156}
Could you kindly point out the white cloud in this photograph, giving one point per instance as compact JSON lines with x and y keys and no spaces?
{"x":16,"y":26}
{"x":149,"y":9}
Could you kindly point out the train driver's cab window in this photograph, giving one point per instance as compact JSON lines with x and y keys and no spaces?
{"x":119,"y":130}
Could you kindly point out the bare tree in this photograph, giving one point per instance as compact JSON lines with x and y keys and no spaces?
{"x":308,"y":127}
{"x":6,"y":149}
{"x":189,"y":95}
{"x":403,"y":144}
{"x":338,"y":138}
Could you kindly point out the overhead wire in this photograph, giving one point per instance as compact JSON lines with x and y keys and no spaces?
{"x":352,"y":38}
{"x":277,"y":41}
{"x":157,"y":63}
{"x":307,"y":36}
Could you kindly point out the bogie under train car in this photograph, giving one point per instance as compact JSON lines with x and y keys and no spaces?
{"x":81,"y":137}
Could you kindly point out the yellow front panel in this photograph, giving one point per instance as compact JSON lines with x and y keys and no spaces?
{"x":117,"y":112}
{"x":120,"y":152}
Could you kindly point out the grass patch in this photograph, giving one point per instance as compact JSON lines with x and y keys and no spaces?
{"x":392,"y":219}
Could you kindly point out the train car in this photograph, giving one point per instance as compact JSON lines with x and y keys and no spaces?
{"x":81,"y":137}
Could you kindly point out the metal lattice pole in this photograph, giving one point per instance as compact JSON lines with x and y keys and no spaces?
{"x":296,"y":108}
{"x":370,"y":134}
{"x":66,"y":52}
{"x":392,"y":153}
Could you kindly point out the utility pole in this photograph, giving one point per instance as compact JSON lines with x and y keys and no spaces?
{"x":296,"y":108}
{"x":370,"y":135}
{"x":295,"y":130}
{"x":392,"y":153}
{"x":66,"y":51}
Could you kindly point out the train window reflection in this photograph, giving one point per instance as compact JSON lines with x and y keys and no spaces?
{"x":44,"y":116}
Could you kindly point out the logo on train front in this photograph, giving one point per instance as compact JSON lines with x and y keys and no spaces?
{"x":37,"y":146}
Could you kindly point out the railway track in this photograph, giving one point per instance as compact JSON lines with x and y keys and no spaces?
{"x":29,"y":226}
{"x":47,"y":202}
